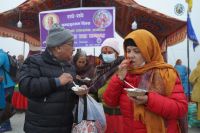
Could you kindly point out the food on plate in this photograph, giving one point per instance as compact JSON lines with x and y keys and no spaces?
{"x":133,"y":92}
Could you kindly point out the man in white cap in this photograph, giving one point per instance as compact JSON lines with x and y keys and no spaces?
{"x":46,"y":79}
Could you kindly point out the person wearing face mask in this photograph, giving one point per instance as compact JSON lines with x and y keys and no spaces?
{"x":110,"y":60}
{"x":163,"y":108}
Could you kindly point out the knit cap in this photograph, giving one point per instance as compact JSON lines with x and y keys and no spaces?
{"x":111,"y":42}
{"x":58,"y":35}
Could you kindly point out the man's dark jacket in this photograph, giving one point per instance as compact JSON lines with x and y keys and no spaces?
{"x":49,"y":107}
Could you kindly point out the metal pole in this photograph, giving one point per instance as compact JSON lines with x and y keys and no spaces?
{"x":81,"y":3}
{"x":188,"y":69}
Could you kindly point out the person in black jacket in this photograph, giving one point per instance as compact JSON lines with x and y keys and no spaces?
{"x":46,"y":80}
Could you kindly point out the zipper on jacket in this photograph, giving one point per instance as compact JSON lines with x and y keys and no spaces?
{"x":61,"y":64}
{"x":63,"y":70}
{"x":45,"y":99}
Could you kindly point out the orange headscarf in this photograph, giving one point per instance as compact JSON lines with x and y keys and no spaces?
{"x":149,"y":48}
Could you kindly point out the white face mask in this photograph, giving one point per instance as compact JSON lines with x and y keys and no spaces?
{"x":108,"y":58}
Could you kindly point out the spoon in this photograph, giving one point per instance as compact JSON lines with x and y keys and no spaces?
{"x":86,"y":78}
{"x":75,"y":84}
{"x":129,"y":84}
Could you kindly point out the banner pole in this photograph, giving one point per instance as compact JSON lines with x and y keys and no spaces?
{"x":94,"y":57}
{"x":81,"y":3}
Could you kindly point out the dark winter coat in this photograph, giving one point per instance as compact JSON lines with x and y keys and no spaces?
{"x":49,"y":107}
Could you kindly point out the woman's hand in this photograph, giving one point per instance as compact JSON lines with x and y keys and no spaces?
{"x":122,"y":69}
{"x":83,"y":89}
{"x":140,"y":100}
{"x":78,"y":77}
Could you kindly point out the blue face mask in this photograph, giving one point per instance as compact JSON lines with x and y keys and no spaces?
{"x":108,"y":58}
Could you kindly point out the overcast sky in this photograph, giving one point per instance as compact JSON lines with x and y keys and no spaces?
{"x":166,"y":7}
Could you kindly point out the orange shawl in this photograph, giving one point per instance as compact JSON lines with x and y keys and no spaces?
{"x":149,"y":47}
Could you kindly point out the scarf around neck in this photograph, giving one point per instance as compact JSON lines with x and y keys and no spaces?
{"x":103,"y":74}
{"x":157,"y":76}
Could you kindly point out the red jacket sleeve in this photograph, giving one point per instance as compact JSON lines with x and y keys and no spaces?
{"x":172,"y":107}
{"x":113,"y":91}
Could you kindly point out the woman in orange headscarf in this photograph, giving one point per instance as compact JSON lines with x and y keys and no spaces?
{"x":164,"y":107}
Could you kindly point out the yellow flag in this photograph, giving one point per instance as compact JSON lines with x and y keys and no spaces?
{"x":189,"y":5}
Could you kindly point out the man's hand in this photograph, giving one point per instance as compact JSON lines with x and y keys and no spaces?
{"x":65,"y":78}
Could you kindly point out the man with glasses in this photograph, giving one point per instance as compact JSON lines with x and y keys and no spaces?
{"x":46,"y":79}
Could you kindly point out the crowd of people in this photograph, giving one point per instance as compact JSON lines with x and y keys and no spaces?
{"x":46,"y":80}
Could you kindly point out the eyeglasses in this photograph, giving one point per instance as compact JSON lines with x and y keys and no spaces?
{"x":68,"y":45}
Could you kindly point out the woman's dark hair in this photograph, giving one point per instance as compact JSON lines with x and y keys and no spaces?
{"x":129,"y":42}
{"x":178,"y":62}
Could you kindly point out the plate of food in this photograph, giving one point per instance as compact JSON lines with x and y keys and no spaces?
{"x":77,"y":88}
{"x":133,"y":92}
{"x":86,"y":79}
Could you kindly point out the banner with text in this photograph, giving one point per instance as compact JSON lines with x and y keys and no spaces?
{"x":90,"y":26}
